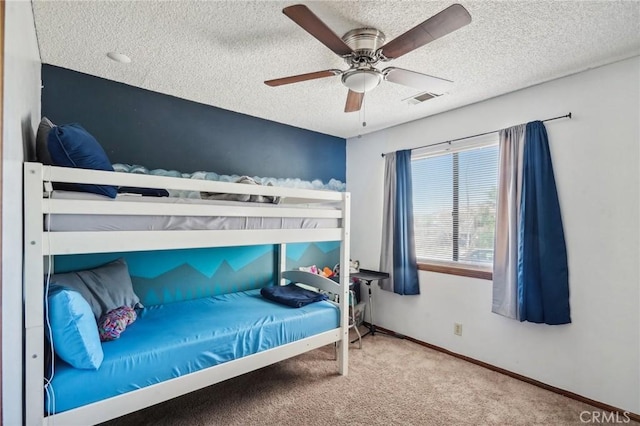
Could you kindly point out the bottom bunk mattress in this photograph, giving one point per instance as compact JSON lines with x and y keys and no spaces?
{"x":172,"y":340}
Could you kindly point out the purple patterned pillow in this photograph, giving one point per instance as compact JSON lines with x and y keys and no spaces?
{"x":114,"y":322}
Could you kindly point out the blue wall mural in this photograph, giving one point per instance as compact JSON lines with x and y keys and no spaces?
{"x":138,"y":126}
{"x":173,"y":275}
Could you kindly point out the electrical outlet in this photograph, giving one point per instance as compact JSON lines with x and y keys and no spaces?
{"x":457,"y":329}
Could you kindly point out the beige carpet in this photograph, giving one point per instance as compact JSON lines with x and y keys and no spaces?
{"x":390,"y":382}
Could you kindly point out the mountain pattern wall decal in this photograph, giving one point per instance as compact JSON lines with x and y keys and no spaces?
{"x":185,"y":282}
{"x":192,"y":280}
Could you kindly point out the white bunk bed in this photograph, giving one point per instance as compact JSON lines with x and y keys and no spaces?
{"x":41,"y":244}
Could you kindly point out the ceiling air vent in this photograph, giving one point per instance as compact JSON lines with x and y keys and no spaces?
{"x":414,"y":100}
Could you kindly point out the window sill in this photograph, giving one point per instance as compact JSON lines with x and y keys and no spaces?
{"x":464,"y":271}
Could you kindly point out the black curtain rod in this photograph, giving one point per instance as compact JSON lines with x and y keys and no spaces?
{"x":480,"y":134}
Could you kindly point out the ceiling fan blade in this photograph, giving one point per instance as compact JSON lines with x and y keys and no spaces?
{"x":440,"y":24}
{"x":302,"y":77}
{"x":423,"y":82}
{"x":354,"y":101}
{"x":301,"y":15}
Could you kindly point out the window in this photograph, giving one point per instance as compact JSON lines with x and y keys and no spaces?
{"x":454,"y":205}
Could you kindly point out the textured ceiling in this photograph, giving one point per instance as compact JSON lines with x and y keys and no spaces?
{"x":220,"y":52}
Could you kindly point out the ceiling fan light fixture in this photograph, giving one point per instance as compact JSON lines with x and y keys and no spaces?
{"x":361,"y":81}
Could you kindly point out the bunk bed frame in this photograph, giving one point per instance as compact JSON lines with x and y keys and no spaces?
{"x":41,"y":245}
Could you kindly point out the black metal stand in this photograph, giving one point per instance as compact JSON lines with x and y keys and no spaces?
{"x":368,"y":276}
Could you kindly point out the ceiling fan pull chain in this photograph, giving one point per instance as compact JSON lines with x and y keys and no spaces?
{"x":364,"y":112}
{"x":364,"y":100}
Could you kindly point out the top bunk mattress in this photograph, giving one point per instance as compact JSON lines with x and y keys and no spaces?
{"x":124,"y":222}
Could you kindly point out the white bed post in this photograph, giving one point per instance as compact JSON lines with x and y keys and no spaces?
{"x":343,"y":347}
{"x":282,"y":262}
{"x":33,"y":293}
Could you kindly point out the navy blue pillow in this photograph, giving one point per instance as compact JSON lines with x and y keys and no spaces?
{"x":291,"y":295}
{"x":72,"y":146}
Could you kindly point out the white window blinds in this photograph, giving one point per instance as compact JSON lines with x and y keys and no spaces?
{"x":454,"y":199}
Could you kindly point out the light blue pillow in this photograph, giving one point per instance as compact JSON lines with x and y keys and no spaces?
{"x":74,"y":330}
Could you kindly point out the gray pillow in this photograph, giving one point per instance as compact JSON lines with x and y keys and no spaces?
{"x":42,"y":151}
{"x":106,"y":287}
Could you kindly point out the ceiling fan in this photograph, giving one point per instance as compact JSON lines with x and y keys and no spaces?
{"x":363,"y":48}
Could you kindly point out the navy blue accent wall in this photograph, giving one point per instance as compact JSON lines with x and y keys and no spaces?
{"x":137,"y":126}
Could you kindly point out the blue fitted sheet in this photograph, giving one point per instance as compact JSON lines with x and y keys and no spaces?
{"x":175,"y":339}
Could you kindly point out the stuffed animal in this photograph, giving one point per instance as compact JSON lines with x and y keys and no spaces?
{"x":312,"y":269}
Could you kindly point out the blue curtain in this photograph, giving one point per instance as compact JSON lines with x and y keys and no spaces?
{"x":398,"y":253}
{"x":405,"y":270}
{"x":543,"y":274}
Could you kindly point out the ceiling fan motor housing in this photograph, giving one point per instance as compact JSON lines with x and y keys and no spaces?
{"x":365,"y":43}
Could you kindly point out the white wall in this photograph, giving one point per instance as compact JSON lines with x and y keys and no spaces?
{"x":21,"y":116}
{"x":596,"y":163}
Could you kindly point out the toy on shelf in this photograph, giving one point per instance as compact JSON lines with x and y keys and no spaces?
{"x":325,"y":272}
